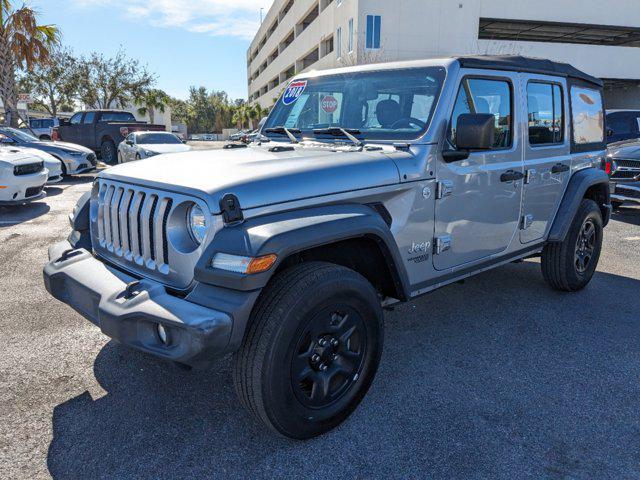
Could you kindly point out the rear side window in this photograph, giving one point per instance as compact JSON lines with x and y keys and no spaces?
{"x":586,"y":115}
{"x":480,"y":95}
{"x":89,"y":117}
{"x":545,"y":115}
{"x":117,"y":117}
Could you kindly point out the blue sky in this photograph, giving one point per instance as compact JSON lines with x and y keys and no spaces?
{"x":184,"y":42}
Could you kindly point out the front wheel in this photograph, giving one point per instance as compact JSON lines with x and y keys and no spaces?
{"x":569,"y":265}
{"x":311,"y":350}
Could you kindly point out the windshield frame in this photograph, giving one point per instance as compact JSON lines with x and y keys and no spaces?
{"x":440,"y":72}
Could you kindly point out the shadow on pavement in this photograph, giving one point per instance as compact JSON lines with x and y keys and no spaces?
{"x":53,"y":191}
{"x":495,"y":378}
{"x":78,"y":179}
{"x":16,"y":214}
{"x":627,"y":215}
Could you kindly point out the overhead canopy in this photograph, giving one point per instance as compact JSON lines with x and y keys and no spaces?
{"x":526,"y":64}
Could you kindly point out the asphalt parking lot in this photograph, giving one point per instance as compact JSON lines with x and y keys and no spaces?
{"x":499,"y":377}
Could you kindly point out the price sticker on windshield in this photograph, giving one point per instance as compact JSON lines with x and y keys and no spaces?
{"x":329,"y":104}
{"x":293,"y":92}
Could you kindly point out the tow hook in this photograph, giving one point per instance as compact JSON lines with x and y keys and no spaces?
{"x":67,"y":254}
{"x":131,"y":290}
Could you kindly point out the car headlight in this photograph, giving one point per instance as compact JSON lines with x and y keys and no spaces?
{"x":73,"y":153}
{"x":197,"y":223}
{"x":149,"y":153}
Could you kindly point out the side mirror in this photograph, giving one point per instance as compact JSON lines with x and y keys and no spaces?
{"x":474,"y":131}
{"x":64,"y":121}
{"x":129,"y":142}
{"x":609,"y":132}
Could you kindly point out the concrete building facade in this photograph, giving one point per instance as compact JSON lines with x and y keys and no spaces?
{"x":601,"y":38}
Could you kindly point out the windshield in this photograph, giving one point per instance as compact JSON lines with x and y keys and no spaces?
{"x":18,"y":134}
{"x":117,"y":117}
{"x":384,"y":105}
{"x":157,"y":138}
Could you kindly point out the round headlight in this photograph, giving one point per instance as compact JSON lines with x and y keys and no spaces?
{"x":197,"y":223}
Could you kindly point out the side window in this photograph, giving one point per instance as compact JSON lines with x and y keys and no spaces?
{"x":545,"y":117}
{"x":620,"y":124}
{"x":586,"y":115}
{"x":479,"y":95}
{"x":75,"y":120}
{"x":89,"y":117}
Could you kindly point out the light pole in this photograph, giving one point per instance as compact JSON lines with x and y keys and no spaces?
{"x":261,"y":9}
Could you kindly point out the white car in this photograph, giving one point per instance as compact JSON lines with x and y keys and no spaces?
{"x":139,"y":145}
{"x":51,"y":163}
{"x":23,"y":176}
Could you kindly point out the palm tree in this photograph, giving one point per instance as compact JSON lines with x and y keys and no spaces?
{"x":152,"y":100}
{"x":23,"y":45}
{"x":241,"y":116}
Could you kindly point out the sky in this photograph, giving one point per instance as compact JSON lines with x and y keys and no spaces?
{"x":184,"y":42}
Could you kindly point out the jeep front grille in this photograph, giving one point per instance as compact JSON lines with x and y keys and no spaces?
{"x":131,"y":227}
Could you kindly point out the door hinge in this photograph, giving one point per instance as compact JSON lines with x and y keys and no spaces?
{"x":441,"y":244}
{"x":444,"y":189}
{"x":526,"y":221}
{"x":529,"y":175}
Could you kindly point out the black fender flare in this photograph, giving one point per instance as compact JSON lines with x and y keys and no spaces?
{"x":287,"y":233}
{"x":579,"y":184}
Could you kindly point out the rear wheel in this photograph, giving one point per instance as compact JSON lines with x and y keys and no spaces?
{"x":311,"y":351}
{"x":108,"y":151}
{"x":570,"y":265}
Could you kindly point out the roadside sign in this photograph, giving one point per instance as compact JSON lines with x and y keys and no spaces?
{"x":25,"y":98}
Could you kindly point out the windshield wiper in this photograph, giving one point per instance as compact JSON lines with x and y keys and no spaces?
{"x":339,"y":131}
{"x":282,"y":129}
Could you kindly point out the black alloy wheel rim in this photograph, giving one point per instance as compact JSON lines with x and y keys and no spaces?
{"x":585,"y":246}
{"x":329,"y":356}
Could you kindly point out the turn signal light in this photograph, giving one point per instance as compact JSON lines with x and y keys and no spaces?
{"x":240,"y":264}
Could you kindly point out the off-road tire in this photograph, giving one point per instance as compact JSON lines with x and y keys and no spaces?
{"x":108,"y":151}
{"x":559,"y":258}
{"x":263,"y":368}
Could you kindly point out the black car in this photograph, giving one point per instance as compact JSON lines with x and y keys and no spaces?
{"x":623,"y":167}
{"x":622,"y":125}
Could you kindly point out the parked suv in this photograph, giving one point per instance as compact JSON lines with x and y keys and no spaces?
{"x":373,"y":185}
{"x":623,"y":166}
{"x":623,"y":125}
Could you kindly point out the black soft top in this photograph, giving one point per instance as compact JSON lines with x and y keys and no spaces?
{"x":526,"y":64}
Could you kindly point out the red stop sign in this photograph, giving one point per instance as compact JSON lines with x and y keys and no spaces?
{"x":329,"y":104}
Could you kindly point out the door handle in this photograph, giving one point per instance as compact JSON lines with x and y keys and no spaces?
{"x":511,"y":176}
{"x":559,"y":168}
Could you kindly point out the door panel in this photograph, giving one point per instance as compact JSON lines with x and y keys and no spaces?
{"x":481,"y":213}
{"x":547,"y":160}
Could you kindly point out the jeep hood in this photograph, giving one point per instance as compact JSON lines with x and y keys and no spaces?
{"x":259,"y":176}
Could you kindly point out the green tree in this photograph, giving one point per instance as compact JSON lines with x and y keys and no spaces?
{"x":152,"y":100}
{"x":23,"y":44}
{"x":112,"y":82}
{"x":54,"y":85}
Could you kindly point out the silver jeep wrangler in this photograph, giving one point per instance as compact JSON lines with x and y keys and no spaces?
{"x":370,"y":185}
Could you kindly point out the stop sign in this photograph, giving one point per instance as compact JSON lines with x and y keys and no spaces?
{"x":329,"y":104}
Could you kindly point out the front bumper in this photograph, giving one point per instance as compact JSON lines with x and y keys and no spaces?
{"x":23,"y":189}
{"x":195,"y":333}
{"x":76,"y":164}
{"x":625,"y":192}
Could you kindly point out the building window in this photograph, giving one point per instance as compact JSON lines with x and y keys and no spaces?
{"x":373,"y":31}
{"x":350,"y":40}
{"x":339,"y":42}
{"x":557,"y":32}
{"x":546,"y":122}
